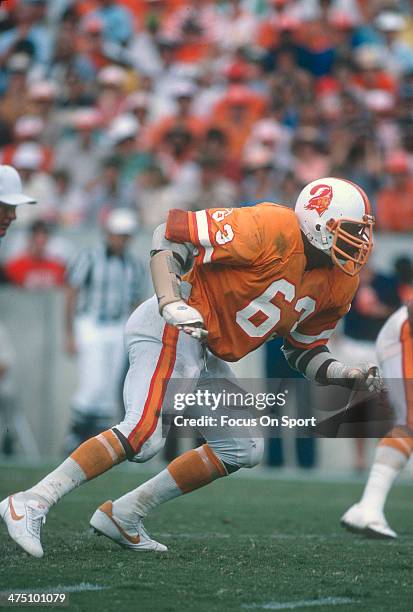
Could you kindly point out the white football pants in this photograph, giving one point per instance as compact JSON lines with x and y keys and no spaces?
{"x":394,"y":348}
{"x":159,"y":353}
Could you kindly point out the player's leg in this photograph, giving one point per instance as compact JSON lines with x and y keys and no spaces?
{"x":394,"y":450}
{"x":152,"y":354}
{"x":223,"y":454}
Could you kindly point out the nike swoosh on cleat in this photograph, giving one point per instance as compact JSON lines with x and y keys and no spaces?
{"x":108,"y":512}
{"x":13,"y":514}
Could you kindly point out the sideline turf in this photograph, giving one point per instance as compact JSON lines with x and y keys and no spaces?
{"x":238,"y":542}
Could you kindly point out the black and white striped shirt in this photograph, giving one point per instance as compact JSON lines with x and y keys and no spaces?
{"x":109,"y":285}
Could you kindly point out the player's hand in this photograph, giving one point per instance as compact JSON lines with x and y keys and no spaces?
{"x":70,"y":345}
{"x":366,"y":377}
{"x":188,"y":319}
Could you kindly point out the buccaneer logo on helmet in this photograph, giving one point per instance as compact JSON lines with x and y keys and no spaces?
{"x":323,"y":194}
{"x":346,"y":233}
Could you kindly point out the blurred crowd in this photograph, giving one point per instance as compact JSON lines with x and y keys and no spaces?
{"x":157,"y":104}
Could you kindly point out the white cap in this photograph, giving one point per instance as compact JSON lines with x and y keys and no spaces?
{"x":19,"y":62}
{"x":257,"y":157}
{"x":87,"y":118}
{"x":28,"y":156}
{"x":28,"y":126}
{"x":121,"y":221}
{"x":112,"y":75}
{"x":43,"y":90}
{"x":124,"y":126}
{"x":183,"y":89}
{"x":138,"y":99}
{"x":11,"y":190}
{"x":379,"y":100}
{"x":267,"y":129}
{"x":390,"y":21}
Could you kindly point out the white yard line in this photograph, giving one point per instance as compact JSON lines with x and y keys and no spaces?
{"x":249,"y":536}
{"x":322,"y":537}
{"x":304,"y":603}
{"x":79,"y":588}
{"x":60,"y":588}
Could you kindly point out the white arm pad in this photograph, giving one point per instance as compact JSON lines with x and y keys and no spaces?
{"x":166,"y":271}
{"x":184,"y":251}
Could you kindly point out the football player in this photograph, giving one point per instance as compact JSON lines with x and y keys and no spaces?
{"x":252,"y":273}
{"x":394,"y":349}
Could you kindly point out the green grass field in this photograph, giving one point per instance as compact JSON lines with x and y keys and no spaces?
{"x":236,"y":545}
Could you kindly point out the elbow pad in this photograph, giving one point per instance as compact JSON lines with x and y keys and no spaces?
{"x":183,"y":252}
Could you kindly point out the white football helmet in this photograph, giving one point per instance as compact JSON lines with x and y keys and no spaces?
{"x":335,"y":216}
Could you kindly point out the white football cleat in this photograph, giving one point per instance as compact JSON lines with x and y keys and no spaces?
{"x":104,"y":522}
{"x":24,"y":521}
{"x":359,"y":519}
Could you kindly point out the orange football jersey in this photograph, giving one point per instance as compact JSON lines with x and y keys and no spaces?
{"x":249,"y":280}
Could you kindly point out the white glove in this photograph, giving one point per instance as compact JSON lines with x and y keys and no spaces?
{"x":188,"y":319}
{"x":365,"y":377}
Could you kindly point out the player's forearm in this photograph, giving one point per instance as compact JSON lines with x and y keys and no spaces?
{"x":168,"y":261}
{"x":319,"y":365}
{"x":312,"y":363}
{"x":166,"y":278}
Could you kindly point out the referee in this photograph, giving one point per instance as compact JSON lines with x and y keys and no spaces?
{"x":104,"y":285}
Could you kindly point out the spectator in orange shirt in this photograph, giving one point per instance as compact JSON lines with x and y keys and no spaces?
{"x":370,"y":74}
{"x":183,"y":93}
{"x":395,"y":201}
{"x":236,"y":114}
{"x":34,"y":269}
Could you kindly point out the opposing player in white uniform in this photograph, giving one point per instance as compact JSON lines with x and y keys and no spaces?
{"x":394,"y":348}
{"x":253,"y":272}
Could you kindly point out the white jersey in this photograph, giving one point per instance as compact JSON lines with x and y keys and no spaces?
{"x":394,"y":349}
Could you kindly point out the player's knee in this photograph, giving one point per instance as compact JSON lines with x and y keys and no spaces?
{"x":135,"y":450}
{"x":239,"y":453}
{"x":148,"y":450}
{"x":253,"y":452}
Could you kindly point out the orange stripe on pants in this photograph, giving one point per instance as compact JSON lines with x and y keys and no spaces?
{"x":407,"y":364}
{"x":157,"y":388}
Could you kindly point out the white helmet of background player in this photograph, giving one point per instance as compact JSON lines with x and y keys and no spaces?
{"x":335,"y":216}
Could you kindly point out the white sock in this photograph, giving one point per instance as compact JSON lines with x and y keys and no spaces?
{"x":62,"y":480}
{"x":388,"y":463}
{"x":147,"y":496}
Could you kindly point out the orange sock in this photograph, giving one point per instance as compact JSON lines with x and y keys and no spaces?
{"x":99,"y":454}
{"x":92,"y":458}
{"x":196,"y":468}
{"x":192,"y":470}
{"x":399,"y":438}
